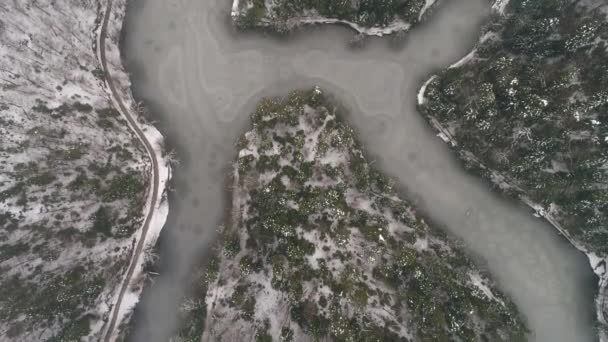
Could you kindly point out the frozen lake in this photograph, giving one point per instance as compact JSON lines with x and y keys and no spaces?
{"x":202,"y":79}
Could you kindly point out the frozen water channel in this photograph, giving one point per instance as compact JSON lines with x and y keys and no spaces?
{"x":202,"y":79}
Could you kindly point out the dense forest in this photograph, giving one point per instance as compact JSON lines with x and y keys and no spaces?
{"x":529,"y":110}
{"x":366,"y":13}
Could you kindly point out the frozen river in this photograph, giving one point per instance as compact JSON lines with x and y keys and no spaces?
{"x":202,"y":79}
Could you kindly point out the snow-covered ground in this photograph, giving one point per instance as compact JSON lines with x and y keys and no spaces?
{"x":395,"y":26}
{"x":159,"y":205}
{"x":73,"y":176}
{"x":352,"y":242}
{"x":427,"y":6}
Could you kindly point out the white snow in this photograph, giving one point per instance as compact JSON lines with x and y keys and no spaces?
{"x":479,"y":282}
{"x":421,"y":244}
{"x":235,"y":9}
{"x":333,"y":158}
{"x":396,"y":26}
{"x":427,"y":5}
{"x":500,"y":5}
{"x":443,"y":137}
{"x":421,"y":92}
{"x":464,"y":60}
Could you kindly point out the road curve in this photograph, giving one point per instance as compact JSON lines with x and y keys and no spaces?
{"x":154,"y":176}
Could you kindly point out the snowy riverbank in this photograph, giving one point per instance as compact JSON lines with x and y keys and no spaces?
{"x":75,"y":191}
{"x":157,"y":206}
{"x":394,"y":27}
{"x":310,"y":17}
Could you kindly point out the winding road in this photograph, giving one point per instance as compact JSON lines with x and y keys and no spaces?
{"x":154,"y":176}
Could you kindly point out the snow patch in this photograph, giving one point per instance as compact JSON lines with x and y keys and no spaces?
{"x":464,"y":60}
{"x":500,"y":5}
{"x":421,"y":92}
{"x":396,"y":26}
{"x":479,"y":282}
{"x":427,"y":5}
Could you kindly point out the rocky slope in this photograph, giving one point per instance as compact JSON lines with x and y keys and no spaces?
{"x":319,"y":245}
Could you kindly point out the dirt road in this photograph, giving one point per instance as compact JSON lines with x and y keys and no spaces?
{"x":154,"y":177}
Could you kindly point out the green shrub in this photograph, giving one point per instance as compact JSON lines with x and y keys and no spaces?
{"x":102,"y":221}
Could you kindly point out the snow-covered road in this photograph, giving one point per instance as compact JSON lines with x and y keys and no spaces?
{"x":156,"y":208}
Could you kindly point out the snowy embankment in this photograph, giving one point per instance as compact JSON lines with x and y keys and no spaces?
{"x":422,"y":91}
{"x":394,"y":27}
{"x":464,"y":60}
{"x":499,"y":6}
{"x":311,"y":18}
{"x":427,"y":6}
{"x":599,"y":264}
{"x":159,"y":204}
{"x":235,"y":9}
